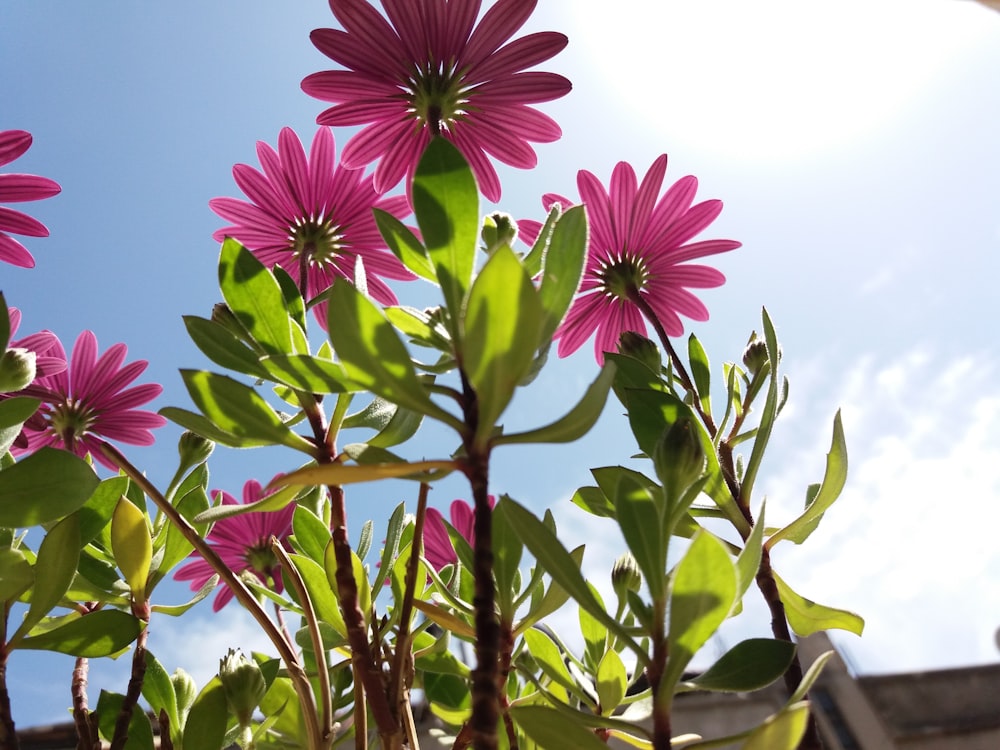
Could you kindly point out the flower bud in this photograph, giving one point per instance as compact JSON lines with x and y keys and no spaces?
{"x":17,"y":370}
{"x":679,"y":458}
{"x":499,"y":228}
{"x":755,"y":355}
{"x":243,"y":683}
{"x":186,"y":691}
{"x":193,"y":449}
{"x":225,"y":317}
{"x":625,"y":575}
{"x":637,"y":346}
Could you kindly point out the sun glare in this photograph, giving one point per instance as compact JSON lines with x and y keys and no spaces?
{"x":773,"y":79}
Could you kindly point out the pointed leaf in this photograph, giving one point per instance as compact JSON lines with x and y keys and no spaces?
{"x":702,"y":593}
{"x":255,"y":297}
{"x":748,"y":562}
{"x":404,"y":244}
{"x":205,"y":728}
{"x":549,"y":728}
{"x":575,"y":423}
{"x":159,"y":693}
{"x":97,"y":634}
{"x":507,"y":551}
{"x":322,"y":591}
{"x":563,"y":269}
{"x":642,"y":527}
{"x":307,"y":373}
{"x":833,"y":483}
{"x":55,"y":567}
{"x":701,"y":373}
{"x":446,"y":204}
{"x":549,"y":659}
{"x":807,"y":617}
{"x":221,"y":346}
{"x":768,"y":414}
{"x":612,"y":681}
{"x":749,"y":665}
{"x":140,"y":731}
{"x":502,"y":319}
{"x":783,"y":731}
{"x":199,"y":425}
{"x":44,"y":486}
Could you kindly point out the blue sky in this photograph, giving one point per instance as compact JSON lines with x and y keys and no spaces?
{"x":854,"y":149}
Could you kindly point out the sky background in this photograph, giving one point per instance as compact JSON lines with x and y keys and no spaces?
{"x":854,"y":147}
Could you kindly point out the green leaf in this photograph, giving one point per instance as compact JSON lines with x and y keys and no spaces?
{"x":341,"y":474}
{"x":550,"y":659}
{"x":159,"y":693}
{"x":132,"y":546}
{"x":140,"y":731}
{"x":393,"y":534}
{"x":446,"y":204}
{"x":307,"y":373}
{"x":554,"y":598}
{"x":44,"y":486}
{"x":97,"y":511}
{"x":222,"y":346}
{"x":768,"y":414}
{"x":502,"y":319}
{"x":507,"y":551}
{"x":372,"y":353}
{"x":393,"y":424}
{"x":833,"y":483}
{"x":575,"y":423}
{"x":321,"y":590}
{"x":749,"y":665}
{"x":96,"y":634}
{"x":16,"y":574}
{"x":594,"y":501}
{"x":533,"y":260}
{"x":270,"y":501}
{"x":4,"y":323}
{"x":239,"y":410}
{"x":255,"y":297}
{"x":642,"y":526}
{"x":702,"y":593}
{"x":748,"y":562}
{"x":404,"y":244}
{"x":783,"y":731}
{"x":55,"y":567}
{"x":564,"y":569}
{"x":205,"y":728}
{"x":807,"y":617}
{"x":176,"y":547}
{"x":563,"y":269}
{"x":612,"y":681}
{"x":550,"y":728}
{"x":15,"y":410}
{"x":701,"y":373}
{"x":420,"y":326}
{"x":309,"y":534}
{"x":204,"y":427}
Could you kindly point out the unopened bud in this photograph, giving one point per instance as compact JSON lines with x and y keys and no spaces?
{"x":499,"y":228}
{"x":755,"y":356}
{"x":17,"y":370}
{"x":625,"y":575}
{"x":186,"y":691}
{"x":193,"y":449}
{"x":637,"y":346}
{"x":679,"y":457}
{"x":243,"y":683}
{"x":225,"y":317}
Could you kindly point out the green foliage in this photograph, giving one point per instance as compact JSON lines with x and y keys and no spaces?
{"x":43,"y":487}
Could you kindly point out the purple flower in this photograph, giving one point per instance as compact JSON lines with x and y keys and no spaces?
{"x":431,"y":69}
{"x":90,"y":400}
{"x":639,"y":246}
{"x":308,"y":215}
{"x":438,"y":549}
{"x":16,"y":188}
{"x":244,"y":544}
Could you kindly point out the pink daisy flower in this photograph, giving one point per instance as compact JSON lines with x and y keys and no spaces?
{"x":49,"y":356}
{"x":438,"y":548}
{"x":312,"y":218}
{"x":90,"y":401}
{"x":244,"y":544}
{"x":16,"y":188}
{"x":639,"y":245}
{"x":430,"y":69}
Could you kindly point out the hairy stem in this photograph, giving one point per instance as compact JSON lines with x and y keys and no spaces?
{"x":124,"y":718}
{"x":81,"y":709}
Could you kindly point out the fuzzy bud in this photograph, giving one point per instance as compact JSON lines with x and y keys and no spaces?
{"x":755,"y":356}
{"x":17,"y":370}
{"x":243,"y":684}
{"x":679,"y":458}
{"x":186,"y":691}
{"x":625,"y":575}
{"x":637,"y":346}
{"x":499,"y":228}
{"x":194,"y":449}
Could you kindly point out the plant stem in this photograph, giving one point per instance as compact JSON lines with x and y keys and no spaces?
{"x":296,"y":673}
{"x":85,"y":730}
{"x":124,"y":718}
{"x":8,"y":735}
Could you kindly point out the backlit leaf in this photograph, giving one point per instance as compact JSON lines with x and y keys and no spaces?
{"x":44,"y":486}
